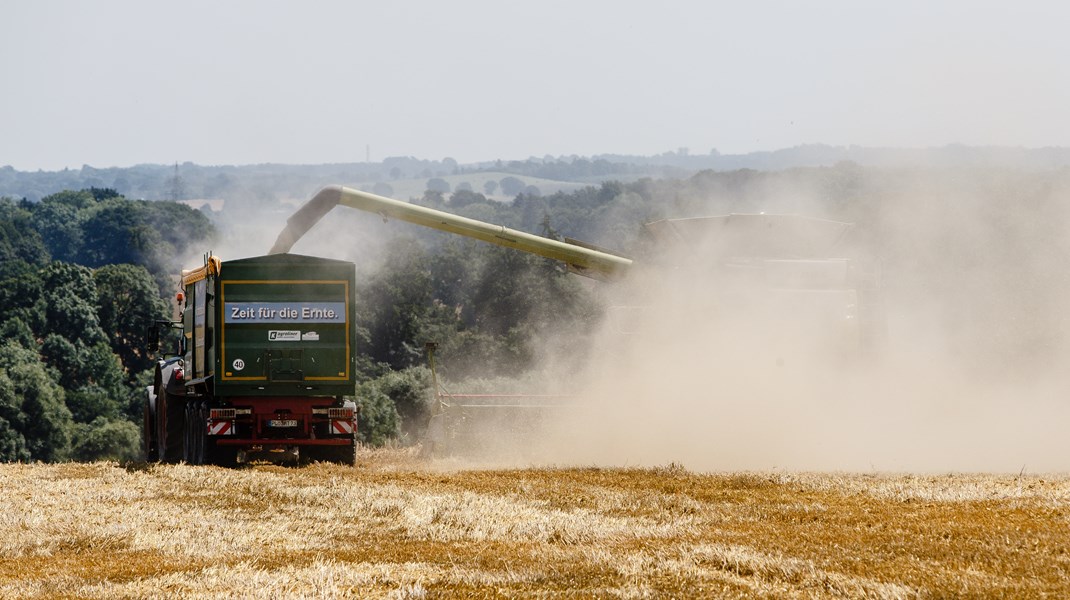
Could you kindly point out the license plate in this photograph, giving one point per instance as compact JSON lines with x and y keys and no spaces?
{"x":282,"y":423}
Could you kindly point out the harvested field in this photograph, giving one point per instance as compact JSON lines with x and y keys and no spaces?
{"x":396,"y":527}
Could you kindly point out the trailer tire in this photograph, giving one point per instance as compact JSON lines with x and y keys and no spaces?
{"x":223,"y":456}
{"x":342,"y":455}
{"x":195,"y":438}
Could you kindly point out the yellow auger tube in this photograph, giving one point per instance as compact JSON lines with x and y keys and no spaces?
{"x":584,"y":261}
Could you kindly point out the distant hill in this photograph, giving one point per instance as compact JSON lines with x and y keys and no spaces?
{"x":819,"y":155}
{"x":407,"y":177}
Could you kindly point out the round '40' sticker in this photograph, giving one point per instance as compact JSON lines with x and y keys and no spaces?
{"x":239,"y":364}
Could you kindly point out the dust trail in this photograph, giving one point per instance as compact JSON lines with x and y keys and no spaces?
{"x":972,"y":376}
{"x":712,"y":402}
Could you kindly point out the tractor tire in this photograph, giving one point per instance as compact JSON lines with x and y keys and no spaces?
{"x":200,"y":432}
{"x":148,"y":434}
{"x":170,"y":430}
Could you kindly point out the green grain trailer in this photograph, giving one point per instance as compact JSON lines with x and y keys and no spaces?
{"x":265,"y":364}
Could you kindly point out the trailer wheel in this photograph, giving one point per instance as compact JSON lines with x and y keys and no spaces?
{"x":223,"y":456}
{"x":342,"y":455}
{"x":194,"y":440}
{"x":350,"y":455}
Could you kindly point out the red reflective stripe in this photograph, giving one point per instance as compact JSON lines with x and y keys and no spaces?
{"x":341,"y":427}
{"x":219,"y":428}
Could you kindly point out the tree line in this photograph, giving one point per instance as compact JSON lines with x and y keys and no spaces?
{"x":82,"y":276}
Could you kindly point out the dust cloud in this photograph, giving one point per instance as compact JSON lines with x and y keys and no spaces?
{"x":248,"y":229}
{"x":968,"y":372}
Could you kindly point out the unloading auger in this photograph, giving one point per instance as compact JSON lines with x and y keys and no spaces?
{"x":580,"y":259}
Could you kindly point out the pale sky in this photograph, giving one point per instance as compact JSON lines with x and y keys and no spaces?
{"x":118,"y":83}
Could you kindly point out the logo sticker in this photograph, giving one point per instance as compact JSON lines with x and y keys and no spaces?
{"x":310,"y":336}
{"x":239,"y":364}
{"x":284,"y":336}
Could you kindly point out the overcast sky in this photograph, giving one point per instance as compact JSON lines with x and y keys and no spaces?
{"x":118,"y":83}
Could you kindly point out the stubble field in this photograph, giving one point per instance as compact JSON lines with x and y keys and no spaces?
{"x":397,"y":527}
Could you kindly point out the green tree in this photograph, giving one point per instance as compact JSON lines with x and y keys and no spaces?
{"x":178,"y":226}
{"x":128,"y":305}
{"x":18,"y":239}
{"x":378,"y":416}
{"x":432,"y":199}
{"x":80,"y":200}
{"x":90,"y":402}
{"x":59,"y":220}
{"x":118,"y":233}
{"x":75,"y":345}
{"x":16,"y":330}
{"x":511,"y":186}
{"x":394,"y":303}
{"x":103,"y":193}
{"x":410,"y":392}
{"x":12,"y":443}
{"x":45,"y":422}
{"x":21,"y":298}
{"x":465,"y":197}
{"x":437,"y":184}
{"x":97,"y":227}
{"x":90,"y":374}
{"x":105,"y":439}
{"x":71,"y":300}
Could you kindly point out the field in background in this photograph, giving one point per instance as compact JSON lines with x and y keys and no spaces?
{"x":396,"y":527}
{"x":404,"y":189}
